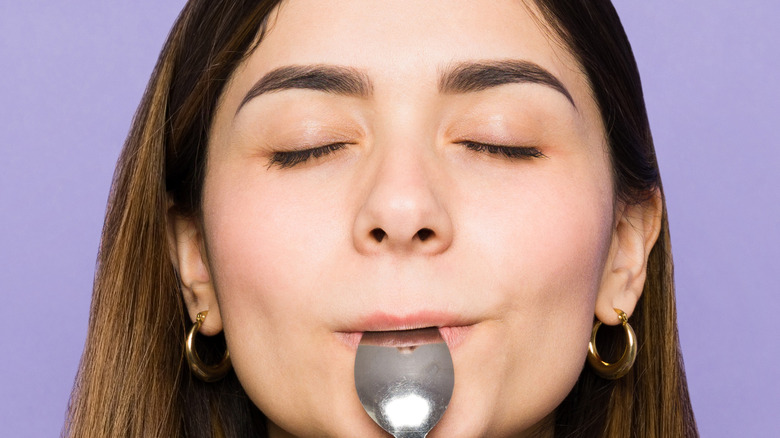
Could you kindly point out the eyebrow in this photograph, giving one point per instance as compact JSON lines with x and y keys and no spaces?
{"x":346,"y":81}
{"x":465,"y":77}
{"x":477,"y":76}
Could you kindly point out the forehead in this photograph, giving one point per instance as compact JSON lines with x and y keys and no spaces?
{"x":406,"y":42}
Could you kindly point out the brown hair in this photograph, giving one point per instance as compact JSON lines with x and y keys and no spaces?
{"x":133,"y":378}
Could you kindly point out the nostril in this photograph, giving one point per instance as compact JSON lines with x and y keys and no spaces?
{"x":424,"y":234}
{"x":379,"y":234}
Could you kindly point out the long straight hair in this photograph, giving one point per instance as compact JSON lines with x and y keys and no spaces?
{"x":133,"y":378}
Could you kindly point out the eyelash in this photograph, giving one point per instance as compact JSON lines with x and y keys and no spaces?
{"x":288,"y":159}
{"x":512,"y":152}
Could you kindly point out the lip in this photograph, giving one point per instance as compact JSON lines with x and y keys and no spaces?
{"x":453,"y":329}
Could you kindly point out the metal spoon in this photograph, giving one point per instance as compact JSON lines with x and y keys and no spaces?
{"x":404,"y":380}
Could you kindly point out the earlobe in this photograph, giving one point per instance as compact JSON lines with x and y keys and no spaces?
{"x":635,"y":233}
{"x":188,"y":255}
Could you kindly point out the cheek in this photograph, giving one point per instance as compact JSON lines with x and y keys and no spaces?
{"x":270,"y":252}
{"x":266,"y":248}
{"x":547,"y":246}
{"x":264,"y":233}
{"x":546,"y":233}
{"x":562,"y":253}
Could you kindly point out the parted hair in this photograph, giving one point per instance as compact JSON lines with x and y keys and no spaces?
{"x":133,"y":379}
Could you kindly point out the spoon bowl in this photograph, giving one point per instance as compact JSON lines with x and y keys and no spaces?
{"x":404,"y":380}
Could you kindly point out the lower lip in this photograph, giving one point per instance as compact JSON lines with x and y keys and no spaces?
{"x":453,"y":336}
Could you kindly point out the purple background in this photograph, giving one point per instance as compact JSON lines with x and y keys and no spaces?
{"x":72,"y":73}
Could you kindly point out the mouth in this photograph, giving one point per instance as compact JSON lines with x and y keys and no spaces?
{"x":407,"y":331}
{"x":404,"y":340}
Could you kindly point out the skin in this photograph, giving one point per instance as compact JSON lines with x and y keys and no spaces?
{"x":523,"y":251}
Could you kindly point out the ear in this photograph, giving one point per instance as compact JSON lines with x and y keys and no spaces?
{"x":188,"y":254}
{"x":636,"y":230}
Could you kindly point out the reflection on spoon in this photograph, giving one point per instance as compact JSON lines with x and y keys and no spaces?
{"x":404,"y":379}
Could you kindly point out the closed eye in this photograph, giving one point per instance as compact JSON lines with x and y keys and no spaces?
{"x":514,"y":152}
{"x":287,"y":159}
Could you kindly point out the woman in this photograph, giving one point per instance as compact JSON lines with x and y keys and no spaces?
{"x":300,"y":173}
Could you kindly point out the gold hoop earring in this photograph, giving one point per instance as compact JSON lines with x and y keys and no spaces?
{"x":207,"y":373}
{"x":620,"y":368}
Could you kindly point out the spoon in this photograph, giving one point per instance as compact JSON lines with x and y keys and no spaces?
{"x":404,"y":380}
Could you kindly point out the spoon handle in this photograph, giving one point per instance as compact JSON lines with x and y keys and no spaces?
{"x":411,"y":435}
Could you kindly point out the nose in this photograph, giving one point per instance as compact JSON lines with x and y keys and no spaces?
{"x":403,"y":212}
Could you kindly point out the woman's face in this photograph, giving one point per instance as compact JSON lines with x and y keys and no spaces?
{"x":408,"y":219}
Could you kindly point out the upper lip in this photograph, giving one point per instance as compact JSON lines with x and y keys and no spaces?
{"x":381,"y":321}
